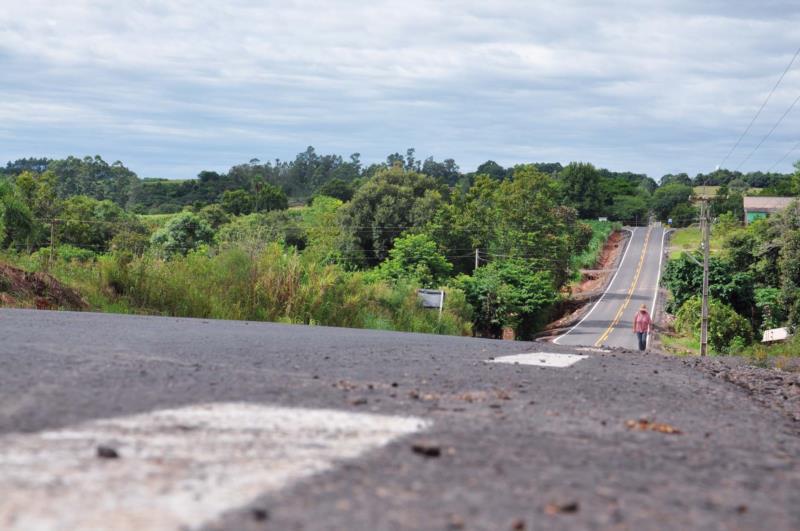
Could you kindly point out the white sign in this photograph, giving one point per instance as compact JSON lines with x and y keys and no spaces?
{"x":775,"y":334}
{"x":431,"y":298}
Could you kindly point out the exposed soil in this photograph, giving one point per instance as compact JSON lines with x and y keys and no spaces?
{"x":594,"y":280}
{"x":591,"y":285}
{"x":21,"y":289}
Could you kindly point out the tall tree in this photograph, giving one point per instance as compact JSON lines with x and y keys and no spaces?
{"x":581,"y":187}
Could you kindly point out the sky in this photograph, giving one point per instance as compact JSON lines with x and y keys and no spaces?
{"x":173,"y":88}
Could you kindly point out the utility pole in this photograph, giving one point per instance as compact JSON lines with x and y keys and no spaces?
{"x":52,"y":240}
{"x":477,"y":257}
{"x":705,"y":224}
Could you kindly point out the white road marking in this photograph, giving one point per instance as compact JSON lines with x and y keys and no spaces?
{"x":178,"y":468}
{"x":541,"y":359}
{"x":593,"y":349}
{"x":603,"y":296}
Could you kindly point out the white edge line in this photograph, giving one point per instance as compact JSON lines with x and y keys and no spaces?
{"x":603,"y":296}
{"x":658,"y":280}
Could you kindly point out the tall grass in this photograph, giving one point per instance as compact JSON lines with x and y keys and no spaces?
{"x":601,"y":230}
{"x":274,"y":284}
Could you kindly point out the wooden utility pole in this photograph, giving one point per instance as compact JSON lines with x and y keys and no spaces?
{"x":705,"y":223}
{"x":52,"y":240}
{"x":477,"y":258}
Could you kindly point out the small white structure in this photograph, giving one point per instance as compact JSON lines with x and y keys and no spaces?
{"x":775,"y":334}
{"x":432,"y":298}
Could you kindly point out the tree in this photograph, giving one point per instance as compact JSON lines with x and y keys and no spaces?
{"x":683,"y":215}
{"x":92,"y":224}
{"x":680,"y":178}
{"x":667,"y":197}
{"x":629,"y":209}
{"x":17,"y":226}
{"x":182,"y":234}
{"x":509,"y":293}
{"x":530,"y":223}
{"x":269,"y":197}
{"x":684,"y":278}
{"x":337,"y":188}
{"x":214,"y":215}
{"x":237,"y":202}
{"x":415,"y":257}
{"x":446,"y":172}
{"x":581,"y":188}
{"x":494,"y":170}
{"x":726,"y":328}
{"x":388,"y":204}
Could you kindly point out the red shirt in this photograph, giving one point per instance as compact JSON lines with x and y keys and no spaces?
{"x":641,"y":323}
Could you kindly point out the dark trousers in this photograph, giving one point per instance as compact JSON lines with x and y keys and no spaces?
{"x":642,"y":340}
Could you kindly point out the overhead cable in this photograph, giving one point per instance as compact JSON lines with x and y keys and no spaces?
{"x":758,"y":113}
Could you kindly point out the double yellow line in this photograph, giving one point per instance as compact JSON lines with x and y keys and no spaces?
{"x":617,"y":317}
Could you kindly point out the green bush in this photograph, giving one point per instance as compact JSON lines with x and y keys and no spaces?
{"x":258,"y":230}
{"x":182,"y":234}
{"x":415,"y":258}
{"x":727,"y":330}
{"x":509,"y":293}
{"x":70,"y":253}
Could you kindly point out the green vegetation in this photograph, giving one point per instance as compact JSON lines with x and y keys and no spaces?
{"x":359,"y":239}
{"x":688,"y":239}
{"x":346,"y":263}
{"x":601,"y":230}
{"x":754,"y":281}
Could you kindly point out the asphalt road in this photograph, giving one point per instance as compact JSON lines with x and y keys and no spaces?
{"x":498,"y":446}
{"x":609,"y":322}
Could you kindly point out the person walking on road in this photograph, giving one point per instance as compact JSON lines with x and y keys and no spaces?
{"x":641,"y":326}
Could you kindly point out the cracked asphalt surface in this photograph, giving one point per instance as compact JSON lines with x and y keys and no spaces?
{"x":521,"y":447}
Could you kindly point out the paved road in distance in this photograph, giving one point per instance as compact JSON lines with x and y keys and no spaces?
{"x":609,"y":322}
{"x":547,"y":447}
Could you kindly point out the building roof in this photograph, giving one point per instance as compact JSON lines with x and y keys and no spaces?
{"x":767,"y":204}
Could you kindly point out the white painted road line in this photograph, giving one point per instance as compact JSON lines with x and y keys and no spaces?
{"x":541,"y":359}
{"x":177,"y":468}
{"x":593,"y":349}
{"x":603,"y":296}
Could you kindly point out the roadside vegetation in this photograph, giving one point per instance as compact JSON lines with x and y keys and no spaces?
{"x":754,"y":285}
{"x":328,"y":240}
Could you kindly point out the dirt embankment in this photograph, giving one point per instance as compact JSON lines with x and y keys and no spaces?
{"x":592,"y":283}
{"x":21,"y":289}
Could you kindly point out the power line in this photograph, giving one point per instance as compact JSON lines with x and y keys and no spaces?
{"x":785,"y":155}
{"x":769,"y":133}
{"x":771,"y":92}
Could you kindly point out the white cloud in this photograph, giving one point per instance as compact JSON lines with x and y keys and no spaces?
{"x":624,"y":84}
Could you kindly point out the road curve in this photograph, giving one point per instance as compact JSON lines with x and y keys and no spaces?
{"x":609,"y":321}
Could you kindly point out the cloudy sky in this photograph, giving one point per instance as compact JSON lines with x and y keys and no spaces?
{"x":174,"y":87}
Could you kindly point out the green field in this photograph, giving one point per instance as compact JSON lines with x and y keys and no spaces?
{"x":709,"y":192}
{"x":688,"y":239}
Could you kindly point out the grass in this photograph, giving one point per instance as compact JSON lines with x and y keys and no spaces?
{"x":688,"y":239}
{"x":601,"y":230}
{"x":784,"y":356}
{"x":680,"y":345}
{"x":709,"y":192}
{"x":85,"y":278}
{"x":273,"y":284}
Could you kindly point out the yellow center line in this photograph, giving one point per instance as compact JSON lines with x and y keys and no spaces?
{"x":624,"y":305}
